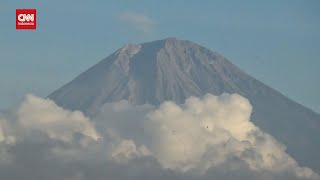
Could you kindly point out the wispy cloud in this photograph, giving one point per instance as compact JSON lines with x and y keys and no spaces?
{"x":140,"y":22}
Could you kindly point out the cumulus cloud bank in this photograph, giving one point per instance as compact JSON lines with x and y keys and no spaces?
{"x":140,"y":22}
{"x":207,"y":138}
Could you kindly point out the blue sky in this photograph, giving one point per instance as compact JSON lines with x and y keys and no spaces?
{"x":277,"y":42}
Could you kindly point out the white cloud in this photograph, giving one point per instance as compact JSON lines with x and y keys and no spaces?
{"x":205,"y":138}
{"x":6,"y":132}
{"x":127,"y":150}
{"x":36,"y":114}
{"x":205,"y":133}
{"x":44,"y":115}
{"x":2,"y":135}
{"x":139,"y":21}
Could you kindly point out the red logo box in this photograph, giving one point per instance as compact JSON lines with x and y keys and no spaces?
{"x":26,"y":19}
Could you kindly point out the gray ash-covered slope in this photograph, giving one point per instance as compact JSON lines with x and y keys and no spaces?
{"x":174,"y":69}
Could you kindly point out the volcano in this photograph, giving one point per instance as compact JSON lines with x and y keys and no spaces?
{"x":172,"y":69}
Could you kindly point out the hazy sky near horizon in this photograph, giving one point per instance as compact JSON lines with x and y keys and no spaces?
{"x":277,"y":42}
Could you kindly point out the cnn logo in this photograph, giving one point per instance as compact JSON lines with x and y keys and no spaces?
{"x":26,"y":19}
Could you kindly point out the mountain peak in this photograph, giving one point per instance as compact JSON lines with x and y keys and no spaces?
{"x":168,"y":42}
{"x":130,"y":49}
{"x":171,"y":40}
{"x":168,"y":69}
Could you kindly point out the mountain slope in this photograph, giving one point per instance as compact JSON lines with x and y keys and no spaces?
{"x":174,"y":69}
